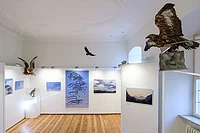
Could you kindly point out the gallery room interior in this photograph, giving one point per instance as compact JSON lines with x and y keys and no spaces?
{"x":99,"y":66}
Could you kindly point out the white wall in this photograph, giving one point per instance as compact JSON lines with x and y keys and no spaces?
{"x":140,"y":118}
{"x":14,"y":109}
{"x":108,"y":54}
{"x":54,"y":102}
{"x":2,"y":99}
{"x":178,"y":91}
{"x":10,"y":47}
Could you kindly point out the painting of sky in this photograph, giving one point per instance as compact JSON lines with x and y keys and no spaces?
{"x":104,"y":86}
{"x":8,"y":86}
{"x":53,"y":86}
{"x":19,"y":85}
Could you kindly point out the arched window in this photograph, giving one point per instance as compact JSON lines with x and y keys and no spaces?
{"x":135,"y":55}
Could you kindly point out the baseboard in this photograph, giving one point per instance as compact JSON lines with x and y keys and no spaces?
{"x":78,"y":113}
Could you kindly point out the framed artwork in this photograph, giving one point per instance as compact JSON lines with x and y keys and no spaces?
{"x":104,"y":86}
{"x":77,"y":84}
{"x":53,"y":86}
{"x":19,"y":85}
{"x":137,"y":95}
{"x":8,"y":86}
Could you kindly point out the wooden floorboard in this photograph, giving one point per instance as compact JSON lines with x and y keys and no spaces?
{"x":69,"y":124}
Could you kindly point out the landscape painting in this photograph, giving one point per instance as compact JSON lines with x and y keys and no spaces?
{"x":53,"y":86}
{"x":19,"y":85}
{"x":104,"y":86}
{"x":137,"y":95}
{"x":77,"y":93}
{"x":8,"y":86}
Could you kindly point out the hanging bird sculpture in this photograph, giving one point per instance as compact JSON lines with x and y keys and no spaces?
{"x":170,"y":36}
{"x":88,"y":52}
{"x":29,"y":70}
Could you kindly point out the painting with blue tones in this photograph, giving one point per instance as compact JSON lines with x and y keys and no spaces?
{"x":53,"y":86}
{"x":8,"y":86}
{"x":104,"y":86}
{"x":77,"y":93}
{"x":19,"y":85}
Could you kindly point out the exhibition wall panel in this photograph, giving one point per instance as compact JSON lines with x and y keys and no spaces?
{"x":14,"y":101}
{"x":137,"y":117}
{"x":54,"y":102}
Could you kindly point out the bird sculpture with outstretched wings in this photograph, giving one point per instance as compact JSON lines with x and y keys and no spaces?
{"x":88,"y":52}
{"x":170,"y":36}
{"x":29,"y":70}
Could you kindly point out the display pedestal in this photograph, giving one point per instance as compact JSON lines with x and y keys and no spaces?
{"x":32,"y":107}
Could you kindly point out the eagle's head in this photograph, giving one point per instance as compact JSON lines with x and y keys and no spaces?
{"x":151,"y":42}
{"x":153,"y":37}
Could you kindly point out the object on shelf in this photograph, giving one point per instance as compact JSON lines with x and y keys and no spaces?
{"x":32,"y":93}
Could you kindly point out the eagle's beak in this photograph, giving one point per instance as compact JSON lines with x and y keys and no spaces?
{"x":147,"y":37}
{"x":146,"y":47}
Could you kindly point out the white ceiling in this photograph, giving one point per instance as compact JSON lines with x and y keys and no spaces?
{"x":77,"y":19}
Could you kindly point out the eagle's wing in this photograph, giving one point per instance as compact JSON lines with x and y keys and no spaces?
{"x":86,"y":50}
{"x":168,"y":22}
{"x":25,"y":63}
{"x":32,"y":63}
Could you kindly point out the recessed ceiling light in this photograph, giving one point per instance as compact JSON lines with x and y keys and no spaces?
{"x":122,"y":32}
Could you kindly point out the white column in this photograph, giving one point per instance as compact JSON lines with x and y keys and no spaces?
{"x":2,"y":98}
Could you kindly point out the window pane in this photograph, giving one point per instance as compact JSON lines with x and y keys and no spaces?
{"x":198,"y":84}
{"x":198,"y":112}
{"x":135,"y":55}
{"x":198,"y":96}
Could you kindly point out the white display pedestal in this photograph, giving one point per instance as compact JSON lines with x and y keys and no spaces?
{"x":32,"y":107}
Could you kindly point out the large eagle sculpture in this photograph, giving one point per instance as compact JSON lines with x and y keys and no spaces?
{"x":28,"y":69}
{"x":170,"y":36}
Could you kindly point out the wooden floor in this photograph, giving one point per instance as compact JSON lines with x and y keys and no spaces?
{"x":69,"y":124}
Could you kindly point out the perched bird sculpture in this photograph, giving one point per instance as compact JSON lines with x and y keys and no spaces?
{"x":32,"y":93}
{"x":170,"y":36}
{"x":29,"y":70}
{"x":88,"y":52}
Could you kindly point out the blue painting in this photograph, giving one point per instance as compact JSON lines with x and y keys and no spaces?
{"x":77,"y":93}
{"x":19,"y":85}
{"x":104,"y":86}
{"x":53,"y":86}
{"x":8,"y":86}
